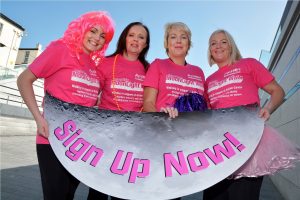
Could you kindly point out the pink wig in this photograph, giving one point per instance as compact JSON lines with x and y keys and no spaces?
{"x":76,"y":30}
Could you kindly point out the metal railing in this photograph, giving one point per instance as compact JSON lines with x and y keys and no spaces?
{"x":11,"y":96}
{"x":6,"y":73}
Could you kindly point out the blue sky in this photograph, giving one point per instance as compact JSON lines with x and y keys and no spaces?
{"x":252,"y":23}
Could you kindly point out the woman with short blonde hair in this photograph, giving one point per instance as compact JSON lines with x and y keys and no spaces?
{"x":171,"y":78}
{"x":177,"y":25}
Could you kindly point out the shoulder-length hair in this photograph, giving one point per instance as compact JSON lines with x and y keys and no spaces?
{"x":235,"y":54}
{"x":121,"y":45}
{"x":74,"y":35}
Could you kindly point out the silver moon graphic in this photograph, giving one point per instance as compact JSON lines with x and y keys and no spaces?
{"x":147,"y":155}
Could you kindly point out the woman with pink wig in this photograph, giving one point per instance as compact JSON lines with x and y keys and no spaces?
{"x":68,"y":66}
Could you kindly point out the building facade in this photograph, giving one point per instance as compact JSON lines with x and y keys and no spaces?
{"x":284,"y":63}
{"x":27,"y":55}
{"x":11,"y":34}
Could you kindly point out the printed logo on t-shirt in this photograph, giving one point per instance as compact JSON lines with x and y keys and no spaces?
{"x":215,"y":85}
{"x":232,"y":72}
{"x":139,"y":77}
{"x":93,"y":72}
{"x":82,"y":77}
{"x":177,"y":80}
{"x":198,"y":78}
{"x":126,"y":84}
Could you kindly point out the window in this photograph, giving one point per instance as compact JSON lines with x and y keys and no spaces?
{"x":26,"y":57}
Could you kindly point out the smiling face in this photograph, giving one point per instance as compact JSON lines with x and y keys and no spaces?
{"x":177,"y":43}
{"x":220,"y":49}
{"x":93,"y":39}
{"x":136,"y":40}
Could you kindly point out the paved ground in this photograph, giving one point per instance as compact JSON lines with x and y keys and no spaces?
{"x":20,"y":174}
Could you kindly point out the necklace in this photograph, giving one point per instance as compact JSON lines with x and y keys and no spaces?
{"x":114,"y":83}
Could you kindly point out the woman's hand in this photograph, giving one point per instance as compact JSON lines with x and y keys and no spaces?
{"x":25,"y":82}
{"x":276,"y":98}
{"x":264,"y":114}
{"x":42,"y":127}
{"x":173,"y":112}
{"x":150,"y":95}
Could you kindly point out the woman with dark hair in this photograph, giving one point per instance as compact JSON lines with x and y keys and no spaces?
{"x":68,"y":66}
{"x":122,"y":73}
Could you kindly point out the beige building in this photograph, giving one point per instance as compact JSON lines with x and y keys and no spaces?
{"x":27,"y":55}
{"x":11,"y":34}
{"x":284,"y":63}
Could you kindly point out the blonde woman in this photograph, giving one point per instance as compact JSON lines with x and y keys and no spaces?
{"x":173,"y":77}
{"x":236,"y":83}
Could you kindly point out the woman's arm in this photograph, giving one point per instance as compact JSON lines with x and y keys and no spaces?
{"x":276,"y":99}
{"x":150,"y":95}
{"x":25,"y":82}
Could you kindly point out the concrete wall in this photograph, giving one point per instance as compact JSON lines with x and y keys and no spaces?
{"x":15,"y":111}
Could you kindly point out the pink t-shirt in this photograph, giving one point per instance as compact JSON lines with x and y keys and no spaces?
{"x":126,"y":90}
{"x":65,"y":77}
{"x":237,"y":84}
{"x":172,"y":80}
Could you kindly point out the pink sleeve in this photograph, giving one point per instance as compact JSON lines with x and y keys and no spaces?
{"x":152,"y":75}
{"x":205,"y":95}
{"x":261,"y":75}
{"x":101,"y":75}
{"x":202,"y":75}
{"x":48,"y":62}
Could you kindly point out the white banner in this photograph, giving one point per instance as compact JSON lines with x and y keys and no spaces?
{"x":147,"y":155}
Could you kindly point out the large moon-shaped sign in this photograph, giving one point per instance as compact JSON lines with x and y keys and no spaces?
{"x":134,"y":155}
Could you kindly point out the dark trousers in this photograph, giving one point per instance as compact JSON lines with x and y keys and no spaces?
{"x":229,"y":189}
{"x":96,"y":195}
{"x":115,"y":198}
{"x":57,"y":182}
